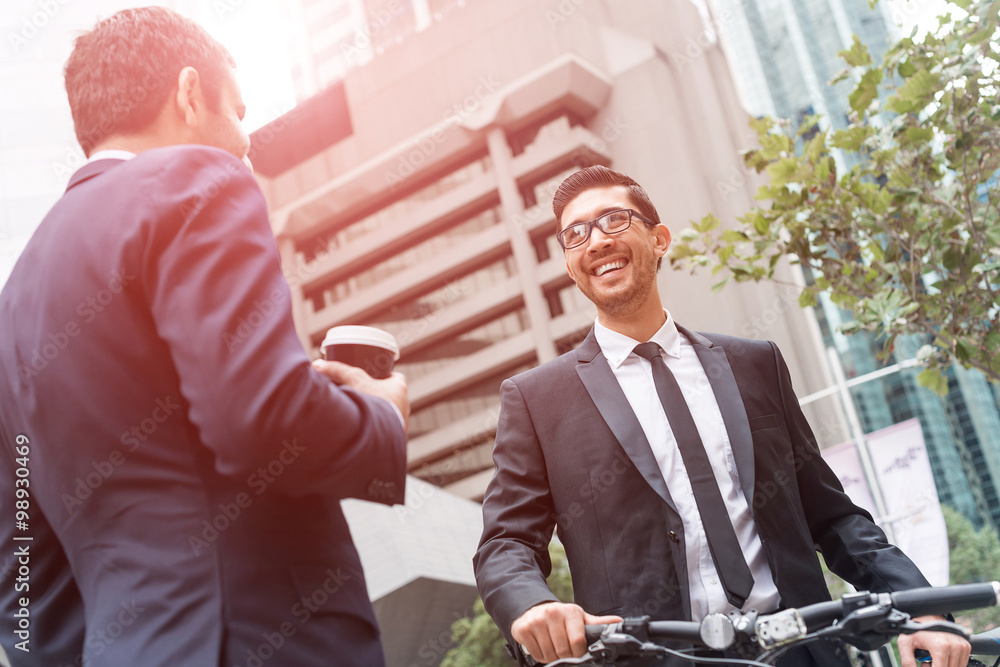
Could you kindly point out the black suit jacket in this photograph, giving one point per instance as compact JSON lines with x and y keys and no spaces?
{"x":185,"y":461}
{"x":570,"y":454}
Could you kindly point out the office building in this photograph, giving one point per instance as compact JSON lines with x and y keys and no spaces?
{"x":783,"y":53}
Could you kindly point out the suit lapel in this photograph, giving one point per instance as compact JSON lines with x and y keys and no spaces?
{"x":727,"y":395}
{"x":601,"y":384}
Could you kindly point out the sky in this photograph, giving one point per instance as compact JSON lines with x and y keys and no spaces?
{"x":252,"y":31}
{"x":38,"y":149}
{"x":919,"y":13}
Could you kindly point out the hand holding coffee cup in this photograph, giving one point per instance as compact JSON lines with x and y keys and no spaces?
{"x":375,"y":351}
{"x":348,"y":350}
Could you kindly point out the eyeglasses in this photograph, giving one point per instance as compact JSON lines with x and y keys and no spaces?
{"x":612,"y":222}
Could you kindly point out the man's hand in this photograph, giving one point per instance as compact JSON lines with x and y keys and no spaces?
{"x":554,"y":630}
{"x":392,"y":389}
{"x":946,"y":649}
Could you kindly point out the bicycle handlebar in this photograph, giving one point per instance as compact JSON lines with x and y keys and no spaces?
{"x":915,"y":602}
{"x":946,"y":599}
{"x":714,"y":632}
{"x":682,"y":631}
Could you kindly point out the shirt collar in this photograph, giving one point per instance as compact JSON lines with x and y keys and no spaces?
{"x":616,"y":346}
{"x":111,"y":154}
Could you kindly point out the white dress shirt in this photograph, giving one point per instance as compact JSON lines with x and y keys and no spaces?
{"x":111,"y":154}
{"x":635,"y":375}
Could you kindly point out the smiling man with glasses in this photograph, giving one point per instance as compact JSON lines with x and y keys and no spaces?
{"x":677,"y":466}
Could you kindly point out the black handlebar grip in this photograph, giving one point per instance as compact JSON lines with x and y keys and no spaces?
{"x":947,"y":599}
{"x":821,"y":614}
{"x":681,"y":631}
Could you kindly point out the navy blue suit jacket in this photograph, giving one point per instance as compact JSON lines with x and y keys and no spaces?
{"x":570,"y":454}
{"x":184,"y":462}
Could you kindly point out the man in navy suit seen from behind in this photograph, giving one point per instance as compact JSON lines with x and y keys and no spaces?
{"x":177,"y":459}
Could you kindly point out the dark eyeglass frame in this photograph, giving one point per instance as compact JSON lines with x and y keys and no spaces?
{"x":596,"y":222}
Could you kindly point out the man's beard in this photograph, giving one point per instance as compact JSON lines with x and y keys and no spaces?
{"x":629,"y":298}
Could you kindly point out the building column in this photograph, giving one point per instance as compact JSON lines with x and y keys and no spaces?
{"x":524,"y":253}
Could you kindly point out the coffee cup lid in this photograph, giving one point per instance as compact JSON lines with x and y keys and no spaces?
{"x":359,"y":335}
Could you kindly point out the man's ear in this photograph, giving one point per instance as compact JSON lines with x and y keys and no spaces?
{"x":661,"y":240}
{"x":189,"y":99}
{"x":569,"y":270}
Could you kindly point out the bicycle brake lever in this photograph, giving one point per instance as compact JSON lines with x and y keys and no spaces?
{"x":615,"y":645}
{"x":612,"y":646}
{"x":871,"y":627}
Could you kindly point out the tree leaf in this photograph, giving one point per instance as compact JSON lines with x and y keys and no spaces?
{"x":783,"y":170}
{"x":840,"y":76}
{"x":933,"y":379}
{"x":724,"y":254}
{"x":857,"y":55}
{"x":853,"y":326}
{"x":866,"y":91}
{"x":919,"y":88}
{"x":761,"y":224}
{"x":852,"y":138}
{"x":706,"y":224}
{"x":734,"y":236}
{"x":916,"y":135}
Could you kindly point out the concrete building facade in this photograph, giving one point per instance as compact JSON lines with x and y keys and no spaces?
{"x":432,"y":217}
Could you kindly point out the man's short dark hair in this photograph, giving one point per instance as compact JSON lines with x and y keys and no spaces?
{"x":121,"y":73}
{"x":599,"y":176}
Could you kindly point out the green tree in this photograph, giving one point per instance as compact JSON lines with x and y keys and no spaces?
{"x":974,"y":557}
{"x":478,"y":642}
{"x":908,"y":239}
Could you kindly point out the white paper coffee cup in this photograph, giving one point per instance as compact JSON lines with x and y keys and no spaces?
{"x":371,"y":349}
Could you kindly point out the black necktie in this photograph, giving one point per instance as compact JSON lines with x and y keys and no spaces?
{"x":726,"y":552}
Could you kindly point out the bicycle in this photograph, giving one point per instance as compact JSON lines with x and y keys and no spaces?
{"x":864,"y":620}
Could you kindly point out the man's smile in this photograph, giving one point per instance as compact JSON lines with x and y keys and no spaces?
{"x":613,"y":265}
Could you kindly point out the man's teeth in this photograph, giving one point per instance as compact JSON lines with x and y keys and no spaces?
{"x":601,"y":270}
